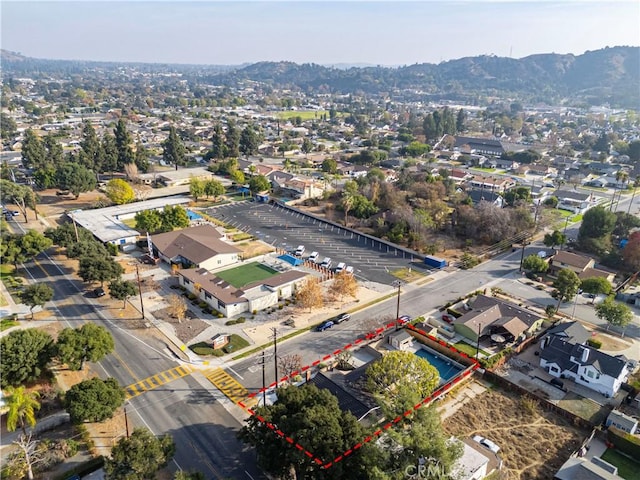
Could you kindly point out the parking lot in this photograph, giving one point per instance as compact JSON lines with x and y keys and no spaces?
{"x":286,"y":229}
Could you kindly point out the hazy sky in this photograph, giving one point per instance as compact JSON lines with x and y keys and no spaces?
{"x":387,"y":33}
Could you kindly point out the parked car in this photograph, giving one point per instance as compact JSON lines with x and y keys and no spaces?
{"x":591,"y":295}
{"x":404,"y":319}
{"x":447,"y":318}
{"x":340,"y":267}
{"x":99,"y":292}
{"x":485,"y":442}
{"x":542,"y":254}
{"x":326,"y":263}
{"x":290,"y":322}
{"x":299,"y":251}
{"x":325,"y":326}
{"x":313,"y":257}
{"x":343,"y":317}
{"x":349,"y":269}
{"x":556,"y":383}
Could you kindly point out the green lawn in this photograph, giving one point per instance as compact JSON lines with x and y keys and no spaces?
{"x":6,"y":323}
{"x":304,"y":114}
{"x":251,"y":272}
{"x":627,"y":467}
{"x":129,"y":222}
{"x":468,"y":349}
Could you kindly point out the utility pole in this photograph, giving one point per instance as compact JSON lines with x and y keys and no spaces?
{"x":524,"y":244}
{"x":126,"y":421}
{"x":275,"y":352}
{"x":397,"y":283}
{"x":478,"y":343}
{"x":263,"y":358}
{"x":75,"y":226}
{"x":140,"y":292}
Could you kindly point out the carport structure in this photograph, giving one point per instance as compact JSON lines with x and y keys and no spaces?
{"x":284,"y":227}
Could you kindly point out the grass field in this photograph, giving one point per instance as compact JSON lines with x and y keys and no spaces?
{"x":627,"y":467}
{"x":304,"y":114}
{"x":129,"y":222}
{"x":468,"y":349}
{"x":251,"y":272}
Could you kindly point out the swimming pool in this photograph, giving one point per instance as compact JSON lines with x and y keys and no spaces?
{"x":445,"y":366}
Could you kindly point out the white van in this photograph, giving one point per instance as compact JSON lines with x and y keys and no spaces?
{"x":299,"y":251}
{"x":313,"y":257}
{"x":340,"y":267}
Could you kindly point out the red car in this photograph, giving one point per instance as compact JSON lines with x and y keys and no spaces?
{"x":447,"y":318}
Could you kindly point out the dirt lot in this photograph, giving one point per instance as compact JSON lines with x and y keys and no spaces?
{"x":253,"y":249}
{"x":534,"y":443}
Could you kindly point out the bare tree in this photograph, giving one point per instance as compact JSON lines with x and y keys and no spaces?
{"x":309,"y":295}
{"x":344,"y":284}
{"x":177,"y":307}
{"x":28,"y":454}
{"x":131,"y":171}
{"x":290,"y":363}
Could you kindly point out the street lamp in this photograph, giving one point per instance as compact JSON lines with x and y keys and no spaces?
{"x":478,"y":342}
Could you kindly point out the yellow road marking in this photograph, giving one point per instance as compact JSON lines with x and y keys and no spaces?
{"x":157,"y":380}
{"x":227,"y":385}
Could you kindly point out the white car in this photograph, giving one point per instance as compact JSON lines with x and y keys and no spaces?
{"x":313,"y":257}
{"x":326,"y":263}
{"x":299,"y":251}
{"x":349,"y":269}
{"x":542,"y":254}
{"x":340,"y":267}
{"x":485,"y":442}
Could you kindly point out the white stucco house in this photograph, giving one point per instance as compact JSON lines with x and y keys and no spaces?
{"x":200,"y":247}
{"x":232,"y":301}
{"x":583,"y":364}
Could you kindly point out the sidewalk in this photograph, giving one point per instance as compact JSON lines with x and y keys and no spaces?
{"x":12,"y":307}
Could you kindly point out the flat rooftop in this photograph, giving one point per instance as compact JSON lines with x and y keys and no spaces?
{"x":106,"y":224}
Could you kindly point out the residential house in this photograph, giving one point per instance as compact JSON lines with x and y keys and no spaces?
{"x":585,"y":365}
{"x":574,"y":201}
{"x":622,"y":422}
{"x":539,"y":193}
{"x":497,"y":184}
{"x":492,"y":316}
{"x":580,"y":468}
{"x":231,"y":301}
{"x":475,"y":463}
{"x":478,"y":196}
{"x":183,"y":176}
{"x":583,"y":266}
{"x":200,"y":247}
{"x":459,"y":176}
{"x":572,"y":332}
{"x":485,"y":146}
{"x":603,"y":168}
{"x":296,"y":186}
{"x":400,"y":340}
{"x":543,"y":170}
{"x":505,"y":163}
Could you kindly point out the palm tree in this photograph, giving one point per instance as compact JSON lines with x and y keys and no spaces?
{"x":22,"y":408}
{"x":636,"y":184}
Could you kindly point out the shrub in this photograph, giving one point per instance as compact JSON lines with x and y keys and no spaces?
{"x":202,"y":305}
{"x":280,"y":307}
{"x":594,"y":343}
{"x":255,"y":312}
{"x":191,"y":296}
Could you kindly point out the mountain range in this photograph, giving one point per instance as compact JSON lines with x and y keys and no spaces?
{"x":606,"y":76}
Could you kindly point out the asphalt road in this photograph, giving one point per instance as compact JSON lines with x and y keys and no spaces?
{"x":286,"y":230}
{"x":203,"y":429}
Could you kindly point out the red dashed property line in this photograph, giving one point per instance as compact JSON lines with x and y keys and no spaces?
{"x":466,"y":372}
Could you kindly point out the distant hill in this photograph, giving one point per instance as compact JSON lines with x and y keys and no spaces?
{"x":609,"y":75}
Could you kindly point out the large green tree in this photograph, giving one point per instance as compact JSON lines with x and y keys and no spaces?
{"x":217,"y":143}
{"x":122,"y":290}
{"x":196,"y":188}
{"x":110,"y":153}
{"x":555,"y":238}
{"x":22,"y":405}
{"x":91,"y":154}
{"x":34,"y":153}
{"x":249,"y":141}
{"x":614,"y":313}
{"x":595,"y":231}
{"x":123,"y":145}
{"x":534,"y":263}
{"x":173,"y":151}
{"x":99,"y":269}
{"x":36,"y":295}
{"x":399,"y":380}
{"x":232,"y":140}
{"x":65,"y":235}
{"x":312,"y":418}
{"x":139,"y":457}
{"x":90,"y":342}
{"x":25,"y":355}
{"x":76,"y":178}
{"x":93,"y":400}
{"x":149,"y":221}
{"x":33,"y":243}
{"x":259,"y":183}
{"x":566,"y":284}
{"x":596,"y":285}
{"x":173,"y":218}
{"x":213,"y":188}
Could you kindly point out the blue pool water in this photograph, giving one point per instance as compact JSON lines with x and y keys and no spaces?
{"x":446,"y":367}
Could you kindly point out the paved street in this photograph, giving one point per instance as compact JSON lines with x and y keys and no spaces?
{"x":203,"y":429}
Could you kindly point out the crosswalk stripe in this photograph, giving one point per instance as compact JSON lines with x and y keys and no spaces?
{"x":157,"y":380}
